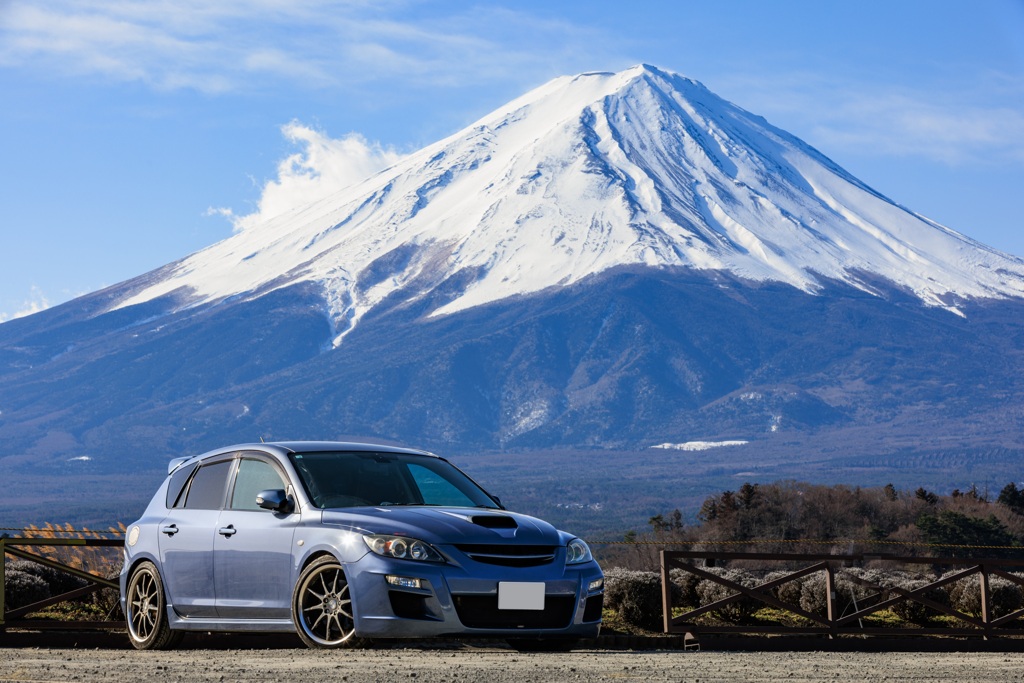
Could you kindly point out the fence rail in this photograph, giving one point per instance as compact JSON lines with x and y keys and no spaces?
{"x":833,"y":624}
{"x":14,"y":546}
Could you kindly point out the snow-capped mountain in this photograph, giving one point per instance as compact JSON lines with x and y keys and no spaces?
{"x":584,"y":174}
{"x":612,"y":262}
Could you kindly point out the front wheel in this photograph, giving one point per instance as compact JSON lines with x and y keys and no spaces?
{"x":322,"y":606}
{"x":146,"y":611}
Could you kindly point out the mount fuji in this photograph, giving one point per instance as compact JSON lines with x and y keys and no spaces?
{"x":586,"y":174}
{"x":611,"y":261}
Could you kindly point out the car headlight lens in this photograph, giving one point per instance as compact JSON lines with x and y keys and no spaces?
{"x":577,"y":552}
{"x":402,"y":548}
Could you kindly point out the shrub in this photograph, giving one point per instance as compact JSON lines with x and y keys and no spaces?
{"x":788,"y":592}
{"x":57,"y":580}
{"x":737,"y":611}
{"x":1005,"y":596}
{"x":108,"y":600}
{"x":21,"y":588}
{"x":855,"y":589}
{"x":636,"y":596}
{"x":913,"y":611}
{"x":686,"y":584}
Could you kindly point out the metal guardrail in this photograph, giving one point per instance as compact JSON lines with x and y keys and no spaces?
{"x":833,"y":624}
{"x":13,"y":546}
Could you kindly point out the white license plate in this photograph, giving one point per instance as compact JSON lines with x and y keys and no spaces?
{"x":520,"y":595}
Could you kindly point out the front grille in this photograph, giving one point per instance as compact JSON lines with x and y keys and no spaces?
{"x":510,"y":555}
{"x":481,"y":611}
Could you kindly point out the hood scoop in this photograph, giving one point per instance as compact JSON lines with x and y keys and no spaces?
{"x":494,"y":521}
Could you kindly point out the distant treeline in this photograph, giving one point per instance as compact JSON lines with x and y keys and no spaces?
{"x":798,"y":517}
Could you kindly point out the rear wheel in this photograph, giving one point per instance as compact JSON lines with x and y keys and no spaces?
{"x":322,"y":606}
{"x":146,"y":611}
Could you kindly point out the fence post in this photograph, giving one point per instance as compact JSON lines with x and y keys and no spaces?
{"x":986,"y":606}
{"x":3,"y":577}
{"x":830,"y":599}
{"x":666,"y":594}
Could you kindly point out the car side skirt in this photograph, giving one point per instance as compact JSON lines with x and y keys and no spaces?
{"x":179,"y":623}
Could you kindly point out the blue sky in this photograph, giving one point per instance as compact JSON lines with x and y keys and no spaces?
{"x":134,"y":133}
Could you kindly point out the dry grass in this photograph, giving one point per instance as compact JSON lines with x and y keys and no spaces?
{"x":99,"y":561}
{"x":102,"y":561}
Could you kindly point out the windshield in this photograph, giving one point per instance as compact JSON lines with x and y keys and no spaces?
{"x":352,"y":479}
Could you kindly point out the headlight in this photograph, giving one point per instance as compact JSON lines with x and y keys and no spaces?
{"x":577,"y":552}
{"x":402,"y":548}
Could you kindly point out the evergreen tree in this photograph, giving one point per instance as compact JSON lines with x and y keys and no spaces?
{"x":949,"y":529}
{"x":1012,"y":497}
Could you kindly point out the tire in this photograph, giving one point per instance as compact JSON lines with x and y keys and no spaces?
{"x":146,"y":611}
{"x":322,"y":606}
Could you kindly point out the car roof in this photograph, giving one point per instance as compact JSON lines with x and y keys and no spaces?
{"x":320,"y":446}
{"x":285,"y":447}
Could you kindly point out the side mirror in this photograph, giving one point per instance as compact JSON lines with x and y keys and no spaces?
{"x":275,"y":500}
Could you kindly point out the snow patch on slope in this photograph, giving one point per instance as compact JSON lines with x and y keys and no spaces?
{"x":581,"y":175}
{"x":699,"y":445}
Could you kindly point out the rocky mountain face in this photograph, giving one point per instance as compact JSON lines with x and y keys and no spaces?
{"x":612,"y":261}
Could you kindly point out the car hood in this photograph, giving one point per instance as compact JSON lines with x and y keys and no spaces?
{"x":442,"y":525}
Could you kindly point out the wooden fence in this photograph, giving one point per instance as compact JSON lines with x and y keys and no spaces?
{"x":15,"y":546}
{"x":834,"y":624}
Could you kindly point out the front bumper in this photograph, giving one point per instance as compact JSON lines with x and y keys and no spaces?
{"x":454,"y":600}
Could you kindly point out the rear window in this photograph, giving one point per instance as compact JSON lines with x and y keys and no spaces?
{"x":176,"y":487}
{"x":206,"y":492}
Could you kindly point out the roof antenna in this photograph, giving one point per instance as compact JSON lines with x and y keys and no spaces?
{"x":261,"y":440}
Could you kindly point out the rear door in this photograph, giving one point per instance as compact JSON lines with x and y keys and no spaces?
{"x":186,"y":540}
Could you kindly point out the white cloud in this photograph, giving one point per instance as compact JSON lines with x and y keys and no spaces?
{"x":233,"y":45}
{"x":965,"y":123}
{"x":323,"y":166}
{"x":36,"y":302}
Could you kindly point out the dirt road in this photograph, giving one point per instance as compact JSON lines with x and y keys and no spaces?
{"x":286,"y":662}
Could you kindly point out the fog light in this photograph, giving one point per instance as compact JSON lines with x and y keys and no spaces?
{"x":403,"y":581}
{"x":596,"y":585}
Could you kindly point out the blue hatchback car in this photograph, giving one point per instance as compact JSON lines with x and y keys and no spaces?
{"x":341,"y":542}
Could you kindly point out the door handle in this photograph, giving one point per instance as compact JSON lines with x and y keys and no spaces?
{"x":228,"y":530}
{"x":170,"y":529}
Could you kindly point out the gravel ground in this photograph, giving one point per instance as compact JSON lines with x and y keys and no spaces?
{"x":493,"y":664}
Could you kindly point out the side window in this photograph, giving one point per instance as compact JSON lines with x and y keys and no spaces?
{"x":435,"y":490}
{"x":253,"y":476}
{"x":206,"y":492}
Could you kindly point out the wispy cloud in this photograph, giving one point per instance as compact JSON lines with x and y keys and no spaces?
{"x":34,"y":303}
{"x":232,"y":45}
{"x":964,"y":123}
{"x":322,"y":166}
{"x":355,"y":46}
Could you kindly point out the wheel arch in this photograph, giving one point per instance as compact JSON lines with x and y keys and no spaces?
{"x":316,"y":555}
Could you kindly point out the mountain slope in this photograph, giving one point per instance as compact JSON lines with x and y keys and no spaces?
{"x":585,"y":174}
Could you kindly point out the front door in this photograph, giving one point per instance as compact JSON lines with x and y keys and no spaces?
{"x":253,"y":565}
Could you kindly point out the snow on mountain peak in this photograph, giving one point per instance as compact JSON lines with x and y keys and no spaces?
{"x":585,"y":173}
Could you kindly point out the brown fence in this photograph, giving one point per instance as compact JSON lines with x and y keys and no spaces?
{"x":16,"y":546}
{"x":833,"y":624}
